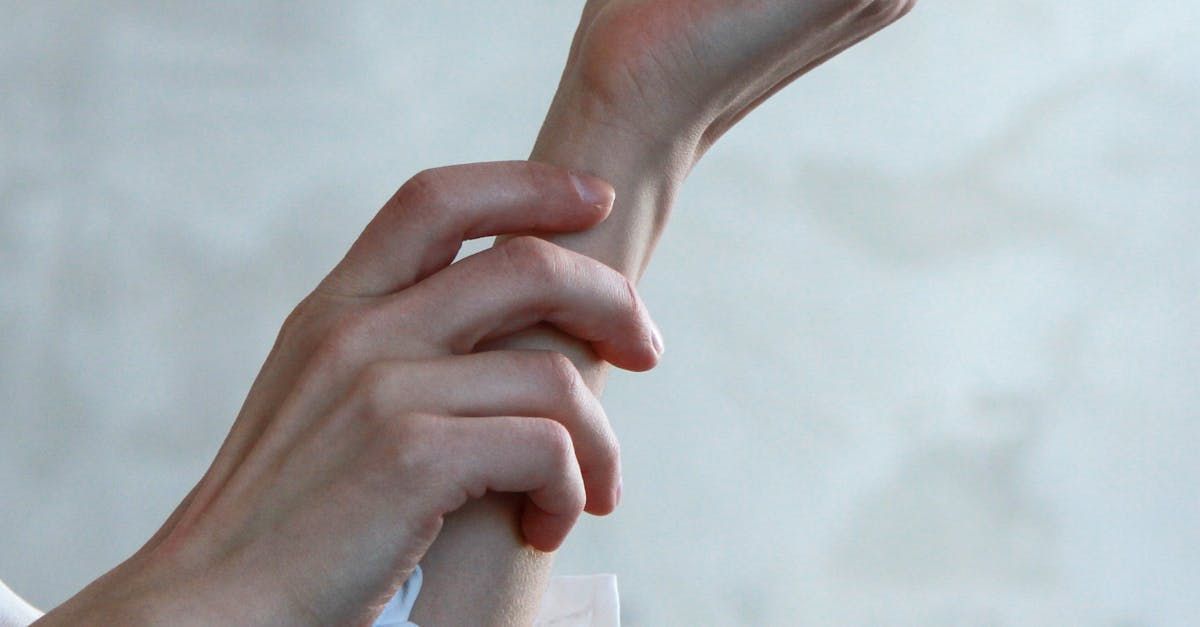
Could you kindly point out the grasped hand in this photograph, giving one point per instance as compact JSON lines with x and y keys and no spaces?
{"x":371,"y":419}
{"x":666,"y":69}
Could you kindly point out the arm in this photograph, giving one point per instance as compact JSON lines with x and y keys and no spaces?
{"x":479,"y":571}
{"x":374,"y":416}
{"x":648,"y":87}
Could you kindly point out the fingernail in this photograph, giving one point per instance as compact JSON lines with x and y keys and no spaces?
{"x":592,"y":190}
{"x":620,"y":486}
{"x":656,"y":339}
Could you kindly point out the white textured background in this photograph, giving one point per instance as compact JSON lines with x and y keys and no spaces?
{"x":932,"y":315}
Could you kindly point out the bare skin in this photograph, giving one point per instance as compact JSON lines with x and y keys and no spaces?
{"x":372,"y":418}
{"x":648,"y":87}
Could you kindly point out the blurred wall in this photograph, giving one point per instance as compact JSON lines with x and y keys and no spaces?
{"x":931,"y":315}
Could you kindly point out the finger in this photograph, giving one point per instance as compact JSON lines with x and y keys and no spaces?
{"x":517,"y":454}
{"x":543,"y":384}
{"x":528,"y":280}
{"x":421,"y":228}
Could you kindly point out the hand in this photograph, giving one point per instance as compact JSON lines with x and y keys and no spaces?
{"x":371,"y":420}
{"x":648,"y":86}
{"x":687,"y":70}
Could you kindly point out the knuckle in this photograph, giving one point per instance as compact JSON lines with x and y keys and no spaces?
{"x":578,"y":494}
{"x":402,"y":443}
{"x":413,"y":458}
{"x":552,"y":439}
{"x":302,"y":329}
{"x":420,"y":197}
{"x":372,"y":391}
{"x":345,"y":338}
{"x":604,"y":459}
{"x":298,"y":318}
{"x":558,"y":373}
{"x":558,"y":442}
{"x":532,"y":257}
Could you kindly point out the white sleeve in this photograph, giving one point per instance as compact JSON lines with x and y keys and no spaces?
{"x":14,"y":611}
{"x":396,"y":612}
{"x":580,"y":601}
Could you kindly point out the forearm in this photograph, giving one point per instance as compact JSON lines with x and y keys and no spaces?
{"x":645,"y":172}
{"x":479,"y":571}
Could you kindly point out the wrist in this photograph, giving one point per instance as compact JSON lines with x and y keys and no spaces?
{"x":583,"y":120}
{"x":645,"y":169}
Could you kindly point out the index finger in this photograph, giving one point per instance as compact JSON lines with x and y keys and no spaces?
{"x":421,"y":228}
